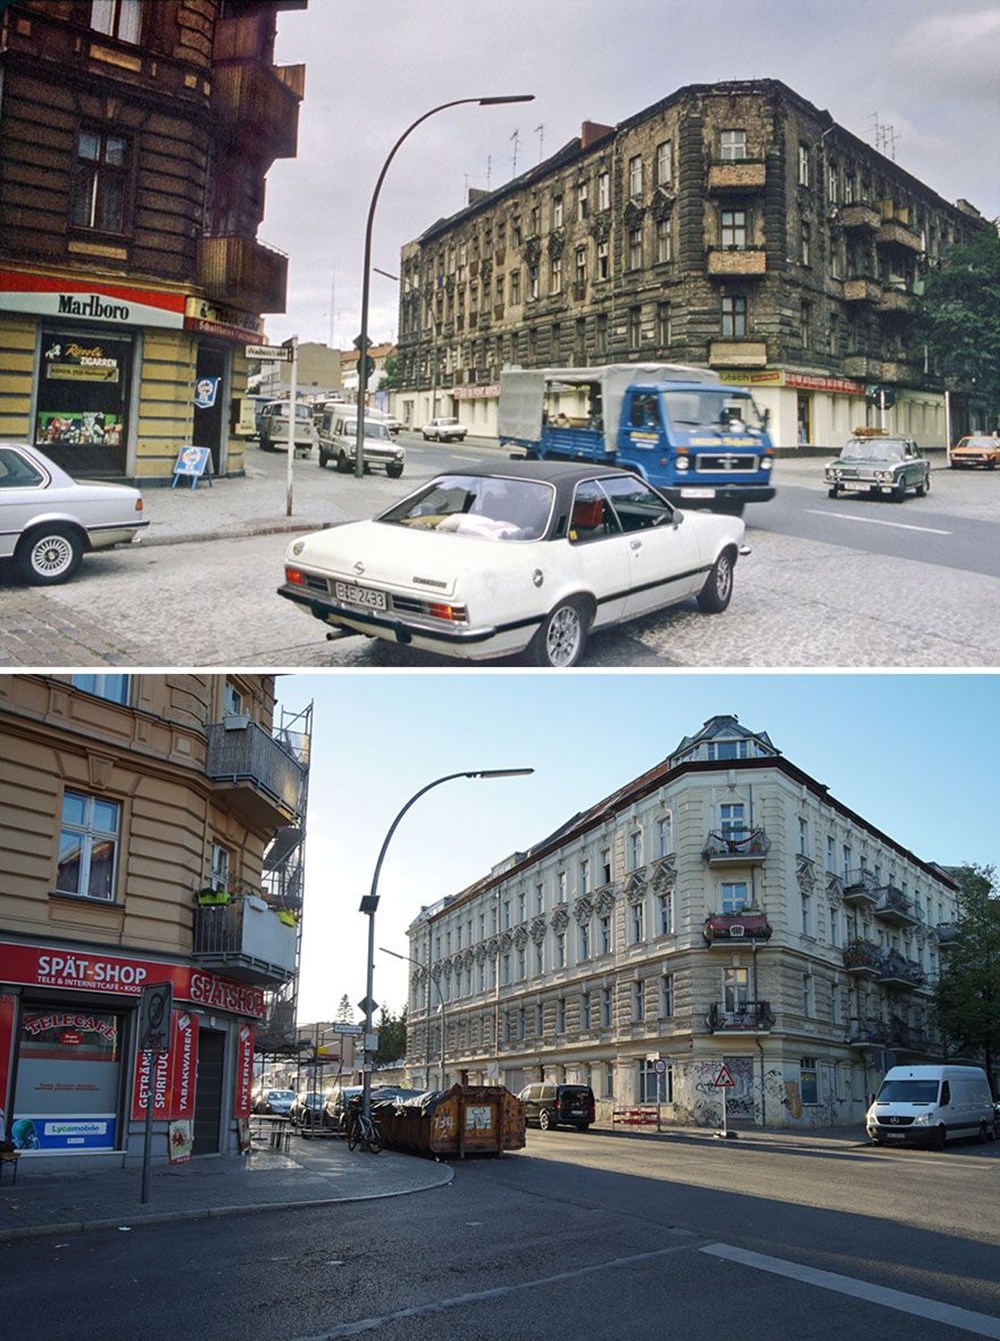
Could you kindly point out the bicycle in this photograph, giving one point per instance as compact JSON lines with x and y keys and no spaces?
{"x":366,"y":1132}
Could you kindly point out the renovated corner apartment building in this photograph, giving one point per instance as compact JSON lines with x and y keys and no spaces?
{"x":723,"y":909}
{"x":151,"y":831}
{"x":135,"y":138}
{"x":734,"y":226}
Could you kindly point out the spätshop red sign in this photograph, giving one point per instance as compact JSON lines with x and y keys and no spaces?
{"x":124,"y":976}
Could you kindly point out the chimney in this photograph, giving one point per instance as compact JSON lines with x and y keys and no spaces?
{"x":592,"y":132}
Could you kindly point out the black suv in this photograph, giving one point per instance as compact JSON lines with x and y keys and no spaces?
{"x":558,"y":1105}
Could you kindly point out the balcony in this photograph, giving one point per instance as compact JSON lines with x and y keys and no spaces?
{"x":860,"y":216}
{"x":726,"y":262}
{"x":895,"y":233}
{"x":736,"y":847}
{"x":895,"y":908}
{"x":948,"y":935}
{"x":753,"y":1017}
{"x":743,"y":175}
{"x":861,"y":889}
{"x":862,"y":291}
{"x":868,"y":1033}
{"x":260,"y":105}
{"x":241,"y":272}
{"x":863,"y":959}
{"x":247,"y":940}
{"x":729,"y":929}
{"x":254,"y":775}
{"x":738,"y":354}
{"x":896,"y":300}
{"x":896,"y":971}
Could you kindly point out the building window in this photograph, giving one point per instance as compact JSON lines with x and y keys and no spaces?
{"x":604,"y":190}
{"x":666,"y":996}
{"x":532,"y":281}
{"x":733,"y":228}
{"x":807,"y":921}
{"x":635,"y":248}
{"x":601,"y":332}
{"x":604,"y":928}
{"x":505,"y":969}
{"x":560,"y":950}
{"x":583,"y":877}
{"x":88,"y":846}
{"x":735,"y":990}
{"x":735,"y":897}
{"x":803,"y":836}
{"x":665,"y":835}
{"x":732,"y":145}
{"x":637,"y":923}
{"x":806,"y":243}
{"x":808,"y":1003}
{"x":539,"y":898}
{"x":664,"y":914}
{"x":561,"y":887}
{"x":655,"y":1086}
{"x":555,"y":275}
{"x":584,"y":941}
{"x":585,"y":1010}
{"x":581,"y":269}
{"x":634,"y":327}
{"x":521,"y":964}
{"x":114,"y":688}
{"x":638,"y":1002}
{"x":603,"y":260}
{"x":664,"y":164}
{"x":664,"y":241}
{"x":581,"y":202}
{"x":505,"y":923}
{"x":832,"y":184}
{"x":117,"y":18}
{"x":607,"y":1008}
{"x":809,"y":1080}
{"x":635,"y":856}
{"x":522,"y":911}
{"x":732,"y":819}
{"x":734,"y":316}
{"x":831,"y":854}
{"x":99,"y":180}
{"x":608,"y":1087}
{"x":557,"y":211}
{"x":219,"y":878}
{"x":561,"y":1015}
{"x":635,"y":175}
{"x":803,"y":165}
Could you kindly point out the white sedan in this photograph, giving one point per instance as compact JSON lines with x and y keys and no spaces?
{"x":48,"y":520}
{"x":444,"y":430}
{"x":529,"y":557}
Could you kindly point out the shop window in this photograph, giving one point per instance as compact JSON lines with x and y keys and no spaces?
{"x":88,"y":846}
{"x":117,"y":18}
{"x":83,"y":395}
{"x":97,"y":197}
{"x":69,"y":1080}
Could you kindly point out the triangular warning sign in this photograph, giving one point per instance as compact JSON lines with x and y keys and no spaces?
{"x":723,"y":1080}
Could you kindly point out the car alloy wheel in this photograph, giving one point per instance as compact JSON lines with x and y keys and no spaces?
{"x":50,"y":555}
{"x":544,"y":1119}
{"x":562,"y":638}
{"x":717,"y":592}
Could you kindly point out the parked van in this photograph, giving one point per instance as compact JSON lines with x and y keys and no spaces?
{"x":929,"y":1105}
{"x":273,"y":427}
{"x":338,"y":440}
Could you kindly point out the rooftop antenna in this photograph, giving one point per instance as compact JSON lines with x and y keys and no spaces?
{"x":540,"y":132}
{"x":885,"y":137}
{"x":515,"y":140}
{"x":489,"y":169}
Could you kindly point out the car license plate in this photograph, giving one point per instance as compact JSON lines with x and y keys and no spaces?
{"x":366,"y":596}
{"x":894,"y":1136}
{"x":697,"y":493}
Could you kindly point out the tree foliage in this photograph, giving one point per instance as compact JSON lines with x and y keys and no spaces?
{"x":391,"y":1037}
{"x":959,"y":316}
{"x":967,"y":997}
{"x":345,"y":1011}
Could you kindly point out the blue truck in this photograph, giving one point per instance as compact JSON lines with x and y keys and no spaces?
{"x":702,"y":443}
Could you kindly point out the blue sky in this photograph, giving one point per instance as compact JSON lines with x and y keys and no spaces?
{"x":917,"y":77}
{"x":915,"y":754}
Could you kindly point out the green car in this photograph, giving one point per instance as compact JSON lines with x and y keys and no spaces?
{"x":878,"y":463}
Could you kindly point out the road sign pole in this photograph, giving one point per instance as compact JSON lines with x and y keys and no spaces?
{"x":292,"y":417}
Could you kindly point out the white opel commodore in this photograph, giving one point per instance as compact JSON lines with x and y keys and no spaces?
{"x":526,"y":558}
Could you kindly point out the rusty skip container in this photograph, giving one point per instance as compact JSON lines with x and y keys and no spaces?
{"x":465,"y":1120}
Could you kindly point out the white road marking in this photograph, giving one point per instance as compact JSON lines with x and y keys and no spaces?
{"x":980,"y":1324}
{"x":874,"y":521}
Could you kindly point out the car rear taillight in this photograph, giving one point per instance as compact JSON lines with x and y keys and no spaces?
{"x":295,"y":576}
{"x":138,"y":503}
{"x":455,"y":614}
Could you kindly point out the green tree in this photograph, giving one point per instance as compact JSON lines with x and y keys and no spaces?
{"x":391,"y":1037}
{"x":967,"y":996}
{"x":345,"y":1011}
{"x":390,"y":368}
{"x":959,"y":317}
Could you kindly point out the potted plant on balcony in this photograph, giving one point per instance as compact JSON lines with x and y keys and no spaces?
{"x":212,"y":898}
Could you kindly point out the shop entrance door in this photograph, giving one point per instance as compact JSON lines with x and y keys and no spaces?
{"x":208,"y":1091}
{"x":210,"y":381}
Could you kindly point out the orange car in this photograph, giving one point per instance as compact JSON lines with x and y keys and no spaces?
{"x":979,"y":449}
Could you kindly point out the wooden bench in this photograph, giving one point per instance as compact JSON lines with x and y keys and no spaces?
{"x":8,"y":1157}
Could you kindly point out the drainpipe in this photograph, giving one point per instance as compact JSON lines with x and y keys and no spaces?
{"x":763,"y":1099}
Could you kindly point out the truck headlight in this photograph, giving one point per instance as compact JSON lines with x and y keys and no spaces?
{"x":682,"y":463}
{"x":766,"y":464}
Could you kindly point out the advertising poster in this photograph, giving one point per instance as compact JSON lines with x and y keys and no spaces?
{"x":244,"y":1072}
{"x":181,"y":1143}
{"x":183,"y":1064}
{"x":140,"y":1089}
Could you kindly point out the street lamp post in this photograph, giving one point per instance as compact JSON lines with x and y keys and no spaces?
{"x":369,"y":905}
{"x":359,"y":461}
{"x":437,"y":986}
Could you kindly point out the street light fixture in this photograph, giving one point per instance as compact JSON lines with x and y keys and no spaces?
{"x":359,"y":462}
{"x":369,"y":905}
{"x":430,"y":979}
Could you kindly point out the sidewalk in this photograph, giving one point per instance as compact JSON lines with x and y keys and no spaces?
{"x":318,"y":1172}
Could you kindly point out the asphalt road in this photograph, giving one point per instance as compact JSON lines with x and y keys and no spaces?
{"x":582,"y":1236}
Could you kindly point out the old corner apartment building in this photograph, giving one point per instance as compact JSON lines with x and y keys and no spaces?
{"x":723,"y":908}
{"x":734,"y":226}
{"x":135,"y":137}
{"x":152,"y":831}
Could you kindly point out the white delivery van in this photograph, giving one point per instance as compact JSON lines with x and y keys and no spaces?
{"x":338,"y":442}
{"x":929,"y":1105}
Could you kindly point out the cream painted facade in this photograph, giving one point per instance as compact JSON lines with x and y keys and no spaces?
{"x":150,"y":830}
{"x":722,"y":909}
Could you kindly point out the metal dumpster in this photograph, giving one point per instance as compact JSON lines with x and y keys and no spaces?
{"x":465,"y":1120}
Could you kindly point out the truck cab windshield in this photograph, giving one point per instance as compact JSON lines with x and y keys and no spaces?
{"x":908,"y":1092}
{"x":713,"y":409}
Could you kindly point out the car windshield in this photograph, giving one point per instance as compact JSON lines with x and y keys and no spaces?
{"x":281,"y":1094}
{"x":873,"y":449}
{"x":908,"y":1092}
{"x":711,"y":409}
{"x":486,"y":506}
{"x":373,"y":429}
